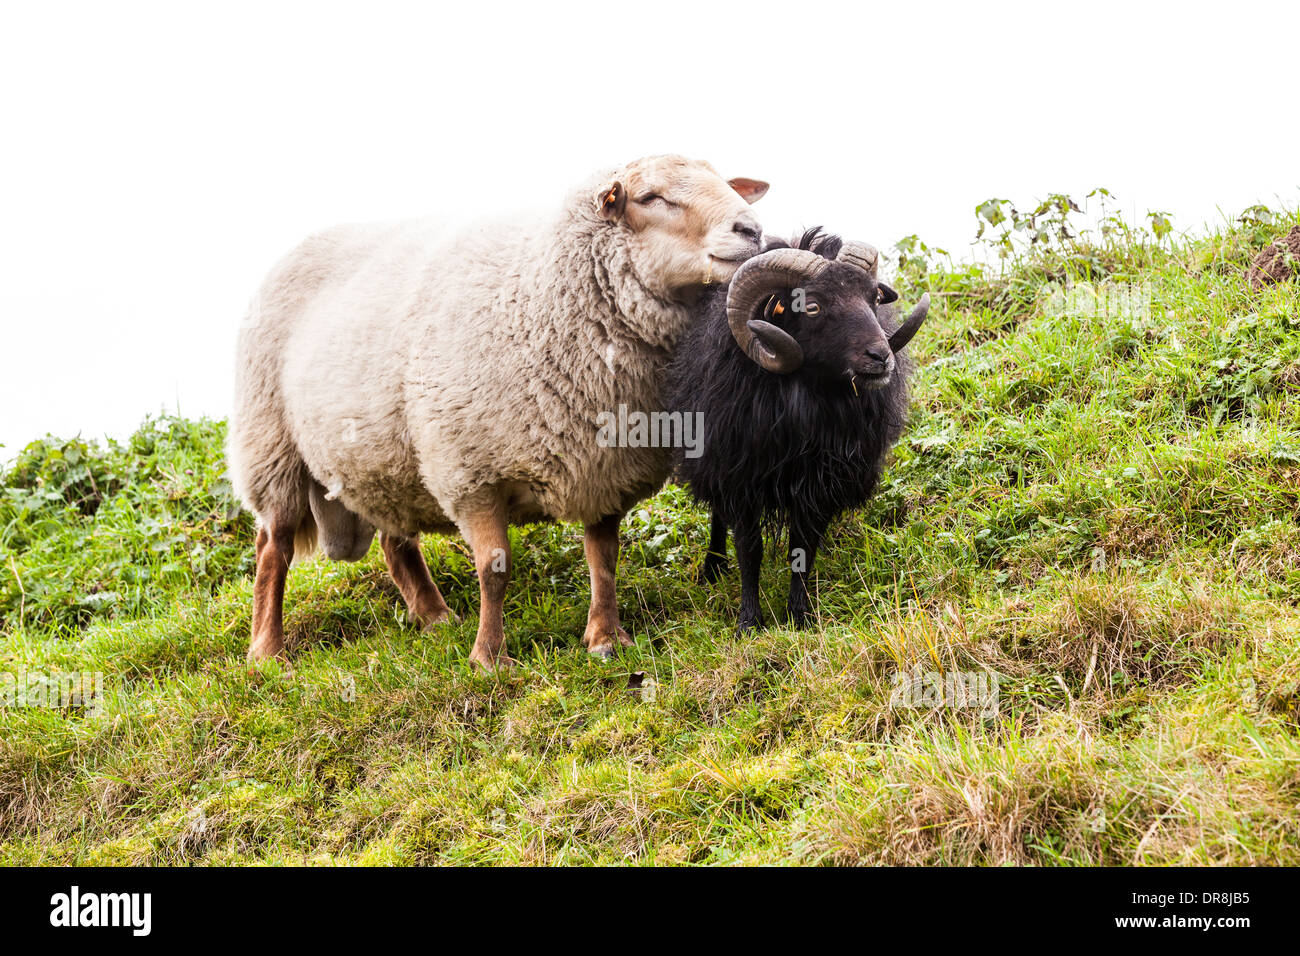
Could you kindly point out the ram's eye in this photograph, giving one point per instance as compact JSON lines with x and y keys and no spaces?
{"x":648,"y":198}
{"x":812,"y":308}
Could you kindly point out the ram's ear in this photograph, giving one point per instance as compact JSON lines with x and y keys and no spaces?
{"x":886,"y":294}
{"x":611,"y":201}
{"x":751,"y":190}
{"x":775,"y":310}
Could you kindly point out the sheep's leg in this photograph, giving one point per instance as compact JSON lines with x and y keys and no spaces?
{"x":715,"y":562}
{"x":603,"y":634}
{"x":749,"y":555}
{"x":490,"y":541}
{"x":274,"y":553}
{"x":411,"y":575}
{"x":804,"y":541}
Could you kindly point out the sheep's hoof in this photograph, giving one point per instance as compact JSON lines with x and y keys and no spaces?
{"x":428,"y":622}
{"x":502,"y":663}
{"x":605,"y":643}
{"x":748,"y":625}
{"x":267,"y":649}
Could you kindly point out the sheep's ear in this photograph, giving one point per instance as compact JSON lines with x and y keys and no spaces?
{"x":751,"y":190}
{"x":886,"y":294}
{"x":611,"y":201}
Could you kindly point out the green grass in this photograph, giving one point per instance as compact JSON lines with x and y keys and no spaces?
{"x":1100,"y":510}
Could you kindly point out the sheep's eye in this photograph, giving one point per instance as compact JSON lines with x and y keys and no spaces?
{"x":813,"y":308}
{"x":648,"y":198}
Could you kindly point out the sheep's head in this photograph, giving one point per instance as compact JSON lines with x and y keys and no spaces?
{"x":792,"y":309}
{"x":687,"y":226}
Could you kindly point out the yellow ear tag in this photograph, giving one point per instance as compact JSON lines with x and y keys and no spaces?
{"x":779,"y":309}
{"x":610,"y":198}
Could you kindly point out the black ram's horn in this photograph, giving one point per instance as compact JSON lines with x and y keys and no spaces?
{"x":860,"y":254}
{"x":910,"y":325}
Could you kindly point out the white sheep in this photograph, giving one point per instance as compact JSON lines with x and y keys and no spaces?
{"x":390,"y":377}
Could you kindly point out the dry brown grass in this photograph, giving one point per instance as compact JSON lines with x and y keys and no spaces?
{"x":1270,"y":552}
{"x":1108,"y":633}
{"x":1057,"y":795}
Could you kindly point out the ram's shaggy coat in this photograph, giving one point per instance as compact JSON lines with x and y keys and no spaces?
{"x":783,"y":454}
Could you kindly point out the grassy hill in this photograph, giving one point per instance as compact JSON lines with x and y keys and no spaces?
{"x":1096,"y":503}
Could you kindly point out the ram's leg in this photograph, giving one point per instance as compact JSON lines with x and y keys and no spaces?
{"x":749,"y":555}
{"x":603,"y":634}
{"x":274,"y":553}
{"x":411,"y":575}
{"x":805,"y":538}
{"x":489,"y":539}
{"x":715,"y":562}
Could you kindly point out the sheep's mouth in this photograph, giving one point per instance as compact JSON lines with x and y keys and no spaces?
{"x":865,"y":381}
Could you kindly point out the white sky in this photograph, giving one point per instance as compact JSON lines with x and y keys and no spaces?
{"x":155,"y":160}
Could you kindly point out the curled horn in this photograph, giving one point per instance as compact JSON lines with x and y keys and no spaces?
{"x":771,"y":347}
{"x":910,"y":324}
{"x":860,"y":254}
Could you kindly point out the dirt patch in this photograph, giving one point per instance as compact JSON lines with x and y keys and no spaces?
{"x":1277,"y":262}
{"x":1135,"y":532}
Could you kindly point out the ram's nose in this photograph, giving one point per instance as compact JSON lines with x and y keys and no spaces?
{"x":878,"y":352}
{"x":874,"y":364}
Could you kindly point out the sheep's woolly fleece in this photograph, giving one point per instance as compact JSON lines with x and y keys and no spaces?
{"x":396,"y":372}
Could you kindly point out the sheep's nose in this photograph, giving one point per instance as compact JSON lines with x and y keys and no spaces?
{"x":748,"y":228}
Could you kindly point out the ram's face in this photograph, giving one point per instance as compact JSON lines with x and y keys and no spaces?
{"x":831,"y":320}
{"x":688,"y":226}
{"x":836,"y":324}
